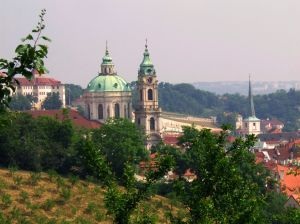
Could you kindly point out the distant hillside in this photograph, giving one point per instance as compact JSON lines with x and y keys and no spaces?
{"x":242,"y":87}
{"x":186,"y":99}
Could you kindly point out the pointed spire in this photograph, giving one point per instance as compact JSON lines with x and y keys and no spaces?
{"x":146,"y":67}
{"x":251,"y":103}
{"x":107,"y":66}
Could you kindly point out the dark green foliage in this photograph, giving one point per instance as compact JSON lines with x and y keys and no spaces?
{"x":120,"y":141}
{"x":229,"y":187}
{"x":29,"y":56}
{"x":73,"y":92}
{"x":20,"y":102}
{"x":52,"y":102}
{"x":35,"y":144}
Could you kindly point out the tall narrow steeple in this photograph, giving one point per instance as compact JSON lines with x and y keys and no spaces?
{"x":251,"y":103}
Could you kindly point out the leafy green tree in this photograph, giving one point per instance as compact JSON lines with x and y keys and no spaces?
{"x":120,"y":141}
{"x":229,"y":187}
{"x":29,"y":56}
{"x":73,"y":92}
{"x":20,"y":102}
{"x":121,"y":202}
{"x":36,"y":144}
{"x":52,"y":102}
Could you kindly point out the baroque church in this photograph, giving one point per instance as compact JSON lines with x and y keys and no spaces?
{"x":108,"y":95}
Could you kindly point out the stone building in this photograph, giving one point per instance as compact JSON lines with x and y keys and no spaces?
{"x":107,"y":95}
{"x":40,"y":86}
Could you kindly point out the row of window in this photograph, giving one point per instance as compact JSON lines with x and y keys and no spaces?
{"x":116,"y":111}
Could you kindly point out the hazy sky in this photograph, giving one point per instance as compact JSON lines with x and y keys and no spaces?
{"x":189,"y":41}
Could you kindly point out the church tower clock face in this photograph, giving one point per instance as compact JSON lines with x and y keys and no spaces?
{"x":149,"y":80}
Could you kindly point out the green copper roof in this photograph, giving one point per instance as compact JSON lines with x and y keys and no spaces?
{"x":146,"y":67}
{"x":252,"y":119}
{"x":107,"y":83}
{"x":106,"y":59}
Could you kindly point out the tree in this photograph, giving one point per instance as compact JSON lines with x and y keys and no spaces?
{"x":29,"y":56}
{"x":121,"y":202}
{"x":52,"y":102}
{"x":73,"y":92}
{"x":20,"y":102}
{"x":120,"y":141}
{"x":229,"y":187}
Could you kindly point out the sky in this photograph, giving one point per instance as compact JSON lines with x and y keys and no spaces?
{"x":189,"y":41}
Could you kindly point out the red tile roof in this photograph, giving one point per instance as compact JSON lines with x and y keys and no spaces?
{"x":40,"y":81}
{"x":290,"y":183}
{"x":77,"y":119}
{"x":171,"y":139}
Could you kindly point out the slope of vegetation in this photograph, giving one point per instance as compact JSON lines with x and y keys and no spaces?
{"x":32,"y":197}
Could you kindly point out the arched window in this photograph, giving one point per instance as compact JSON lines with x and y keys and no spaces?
{"x":117,"y":110}
{"x":100,"y":111}
{"x":139,"y":121}
{"x":150,"y":94}
{"x":88,"y":112}
{"x":152,"y":124}
{"x":128,"y":110}
{"x":108,"y":111}
{"x":125,"y":111}
{"x":141,"y":95}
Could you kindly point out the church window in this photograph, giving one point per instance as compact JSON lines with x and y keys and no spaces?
{"x":89,"y":111}
{"x":139,"y":121}
{"x":108,"y":112}
{"x":152,"y":124}
{"x":141,"y":95}
{"x":117,"y":110}
{"x":100,"y":111}
{"x":125,"y":111}
{"x":150,"y":94}
{"x":128,"y":110}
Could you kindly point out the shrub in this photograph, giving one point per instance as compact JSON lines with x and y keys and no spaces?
{"x":6,"y":200}
{"x":65,"y":193}
{"x":34,"y":178}
{"x":48,"y":205}
{"x":24,"y":196}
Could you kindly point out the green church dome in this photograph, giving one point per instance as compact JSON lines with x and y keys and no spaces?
{"x":108,"y":83}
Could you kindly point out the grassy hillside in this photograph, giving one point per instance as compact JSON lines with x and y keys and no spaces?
{"x":27,"y":197}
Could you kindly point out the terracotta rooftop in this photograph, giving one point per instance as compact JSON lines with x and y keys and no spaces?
{"x":290,"y":183}
{"x":171,"y":139}
{"x":77,"y":119}
{"x":39,"y":81}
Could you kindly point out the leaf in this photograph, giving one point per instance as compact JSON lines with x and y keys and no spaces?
{"x":19,"y":49}
{"x":29,"y":37}
{"x":46,"y":38}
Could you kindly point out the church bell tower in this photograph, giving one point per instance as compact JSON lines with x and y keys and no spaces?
{"x":147,"y":113}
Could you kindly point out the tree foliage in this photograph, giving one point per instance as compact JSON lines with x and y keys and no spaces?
{"x":52,"y":102}
{"x":73,"y":92}
{"x":20,"y":102}
{"x":36,"y":144}
{"x":29,"y":56}
{"x":120,"y":141}
{"x":229,"y":187}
